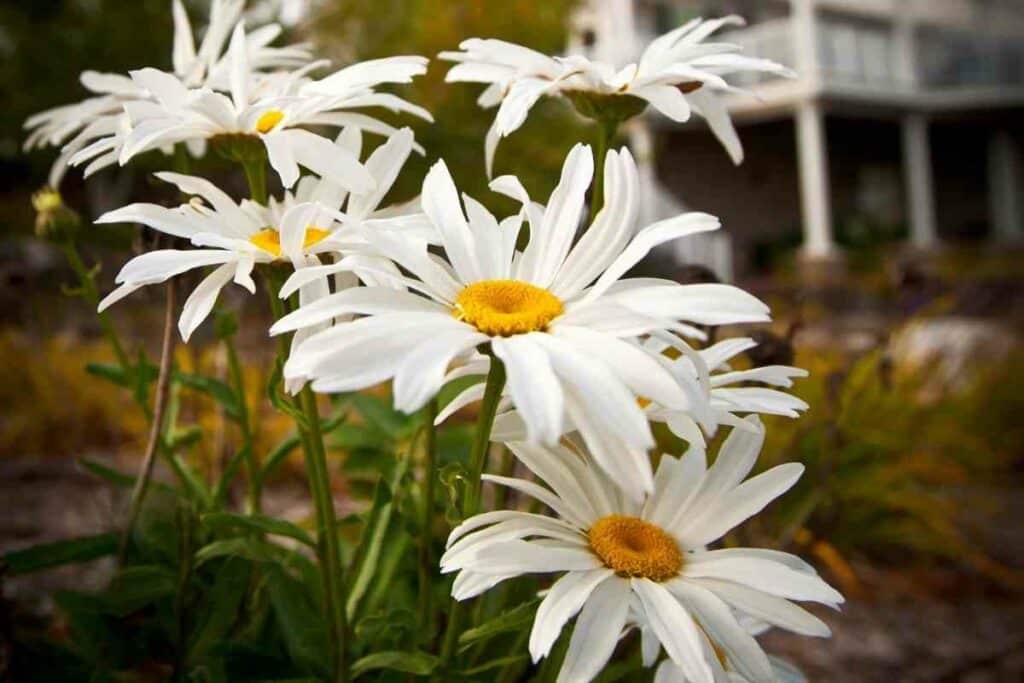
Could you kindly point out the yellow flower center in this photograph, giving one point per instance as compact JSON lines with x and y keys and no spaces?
{"x":502,"y":308}
{"x":270,"y":239}
{"x":266,"y":122}
{"x":633,"y":547}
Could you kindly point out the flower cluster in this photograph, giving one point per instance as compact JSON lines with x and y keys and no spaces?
{"x":534,"y":312}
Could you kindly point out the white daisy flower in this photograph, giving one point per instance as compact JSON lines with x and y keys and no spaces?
{"x":236,"y":236}
{"x":727,"y":402}
{"x":677,"y":74}
{"x":271,"y":112}
{"x":644,"y":564}
{"x":559,"y":316}
{"x":74,"y":126}
{"x":704,"y":374}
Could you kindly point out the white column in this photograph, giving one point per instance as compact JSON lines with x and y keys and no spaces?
{"x":814,"y":188}
{"x":803,"y":22}
{"x":1004,"y":178}
{"x":917,"y":169}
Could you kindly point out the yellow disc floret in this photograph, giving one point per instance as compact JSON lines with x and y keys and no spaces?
{"x":503,"y":308}
{"x":270,"y":239}
{"x":268,"y":119}
{"x":634,"y":547}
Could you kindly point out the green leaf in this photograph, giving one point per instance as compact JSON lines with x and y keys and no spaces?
{"x":183,"y":438}
{"x":60,"y":553}
{"x":499,"y":663}
{"x":301,"y":623}
{"x":228,"y":475}
{"x":281,"y":402}
{"x":364,"y":565}
{"x":359,"y":437}
{"x":219,"y":521}
{"x":114,"y":476}
{"x":219,"y":391}
{"x":129,"y":378}
{"x":396,"y":549}
{"x":509,"y":620}
{"x":418,"y":663}
{"x":251,"y":548}
{"x":111,"y":372}
{"x":284,"y":449}
{"x":136,"y":587}
{"x":379,"y":414}
{"x":223,"y":605}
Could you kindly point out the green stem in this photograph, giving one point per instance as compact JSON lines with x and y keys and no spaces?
{"x":471,"y":501}
{"x":327,"y":541}
{"x":328,"y":552}
{"x":607,"y":128}
{"x":87,"y":284}
{"x":245,"y":425}
{"x":427,"y":513}
{"x":256,"y":175}
{"x":478,"y":456}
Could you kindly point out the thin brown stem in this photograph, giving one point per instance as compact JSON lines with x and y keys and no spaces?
{"x":163,"y":384}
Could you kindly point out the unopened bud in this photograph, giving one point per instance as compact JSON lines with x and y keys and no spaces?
{"x":55,"y":221}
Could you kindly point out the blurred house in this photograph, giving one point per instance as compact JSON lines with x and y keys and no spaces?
{"x":905,"y":121}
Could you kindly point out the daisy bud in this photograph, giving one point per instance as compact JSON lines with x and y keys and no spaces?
{"x":55,"y":221}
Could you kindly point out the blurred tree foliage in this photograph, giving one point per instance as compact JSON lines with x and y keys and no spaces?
{"x":46,"y":44}
{"x":349,"y":30}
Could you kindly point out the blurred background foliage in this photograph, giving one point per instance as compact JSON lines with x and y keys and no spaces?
{"x":366,"y":29}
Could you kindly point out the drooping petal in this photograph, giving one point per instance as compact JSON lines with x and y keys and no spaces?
{"x":565,"y":598}
{"x":597,"y":631}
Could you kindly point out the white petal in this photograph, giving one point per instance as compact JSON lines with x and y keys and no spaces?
{"x":157,"y":266}
{"x":564,"y":599}
{"x":675,"y":629}
{"x":705,"y":304}
{"x":597,"y":631}
{"x":638,"y":369}
{"x":533,"y":386}
{"x":360,"y":300}
{"x":203,"y":297}
{"x":421,"y":375}
{"x":551,"y":466}
{"x":550,"y":241}
{"x":541,"y":494}
{"x":760,"y":605}
{"x":648,"y":238}
{"x":738,"y":505}
{"x":326,"y":159}
{"x":441,"y":203}
{"x":522,"y":557}
{"x":761,"y":573}
{"x":717,"y":620}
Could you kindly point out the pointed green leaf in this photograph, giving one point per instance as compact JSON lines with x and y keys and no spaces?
{"x":60,"y":553}
{"x":301,"y":623}
{"x":418,"y":663}
{"x":368,"y":553}
{"x":219,"y":521}
{"x":509,"y":620}
{"x":222,"y":607}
